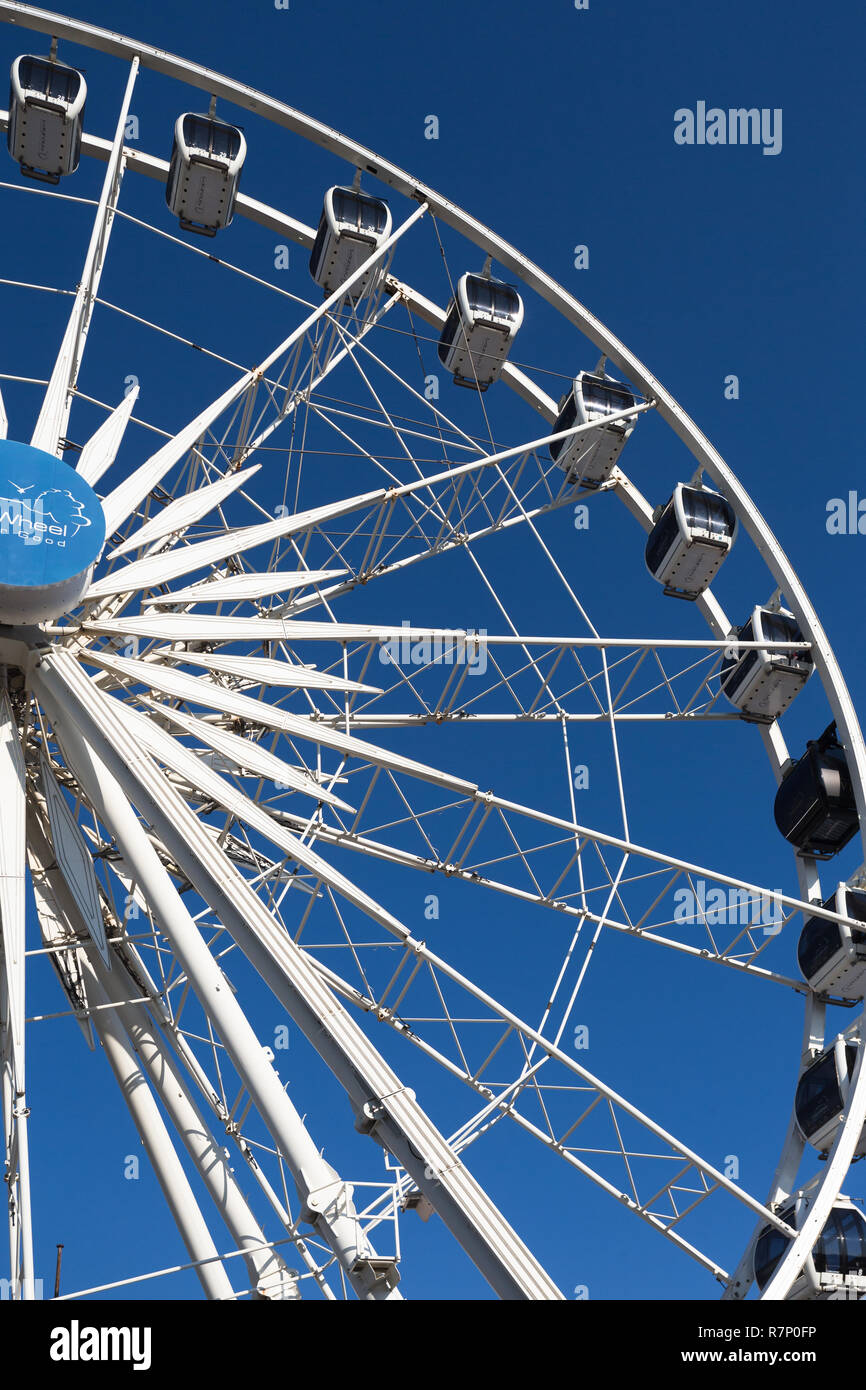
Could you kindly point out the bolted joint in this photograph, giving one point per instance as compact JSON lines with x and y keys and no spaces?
{"x":335,"y":1198}
{"x":374,"y":1110}
{"x":368,"y":1116}
{"x":377,"y":1271}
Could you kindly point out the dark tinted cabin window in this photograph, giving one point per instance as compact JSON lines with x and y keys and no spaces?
{"x":819,"y":942}
{"x":818,"y":1097}
{"x":505,"y":300}
{"x":491,"y":297}
{"x":661,"y":538}
{"x":708,"y":512}
{"x":603,"y":399}
{"x":225,"y":141}
{"x":778,"y":628}
{"x":196,"y":133}
{"x":49,"y":79}
{"x":830,"y":1248}
{"x":743,"y":665}
{"x":770,"y":1248}
{"x":449,"y":332}
{"x":479,"y":296}
{"x":796,"y":799}
{"x":211,"y":137}
{"x":566,"y":418}
{"x":318,"y":244}
{"x":364,"y":214}
{"x":835,"y":779}
{"x":852,"y":1230}
{"x":815,"y":803}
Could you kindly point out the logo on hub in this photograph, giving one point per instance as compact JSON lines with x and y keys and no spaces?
{"x":52,"y":531}
{"x":54,"y":516}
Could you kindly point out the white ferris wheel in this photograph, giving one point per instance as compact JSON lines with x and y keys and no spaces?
{"x":310,"y":698}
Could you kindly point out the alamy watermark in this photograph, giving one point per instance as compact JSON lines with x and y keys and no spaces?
{"x":735,"y":126}
{"x":846,"y":516}
{"x":717,"y":907}
{"x":84,"y":1343}
{"x":11,"y":1289}
{"x":437,"y":649}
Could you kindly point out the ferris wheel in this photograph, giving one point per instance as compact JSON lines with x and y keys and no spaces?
{"x":244,"y":730}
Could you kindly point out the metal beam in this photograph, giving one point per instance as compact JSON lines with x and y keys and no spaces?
{"x":266,"y":1268}
{"x":53,"y":417}
{"x":12,"y":987}
{"x":384,"y":1107}
{"x":320,"y":1188}
{"x":157,"y":1143}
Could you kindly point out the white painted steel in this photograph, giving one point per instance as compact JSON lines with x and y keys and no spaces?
{"x":335,"y":1220}
{"x":126,"y":497}
{"x":245,"y":586}
{"x":157,"y":1144}
{"x":53,"y":417}
{"x":671,"y":412}
{"x":12,"y":986}
{"x":74,"y":861}
{"x":178,"y":515}
{"x":100,"y":451}
{"x":391,"y":1110}
{"x":264,"y":670}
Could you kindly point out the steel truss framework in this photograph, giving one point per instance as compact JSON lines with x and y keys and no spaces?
{"x":198,"y":766}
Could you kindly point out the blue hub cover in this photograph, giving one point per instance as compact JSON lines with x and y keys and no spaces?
{"x":52,"y":531}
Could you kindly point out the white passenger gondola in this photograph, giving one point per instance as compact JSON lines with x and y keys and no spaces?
{"x":352,"y":226}
{"x":205,"y":170}
{"x":822,"y":1095}
{"x":46,"y":117}
{"x":483,"y":320}
{"x":835,"y":1268}
{"x":763,"y":683}
{"x":589,"y":458}
{"x":691,"y":536}
{"x":815,"y":807}
{"x":832,"y":955}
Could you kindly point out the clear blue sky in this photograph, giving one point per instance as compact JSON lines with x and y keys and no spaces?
{"x":556,"y":129}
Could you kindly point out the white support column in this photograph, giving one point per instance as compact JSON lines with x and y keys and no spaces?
{"x":12,"y":985}
{"x":160,"y":1150}
{"x":384,"y":1107}
{"x":54,"y":415}
{"x":325,"y":1197}
{"x":266,"y":1268}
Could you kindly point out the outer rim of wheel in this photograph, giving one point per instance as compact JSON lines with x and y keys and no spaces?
{"x":706,"y":456}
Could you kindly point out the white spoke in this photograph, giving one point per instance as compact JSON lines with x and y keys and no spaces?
{"x":12,"y":1040}
{"x":256,"y":677}
{"x":100,"y":451}
{"x":122,"y":502}
{"x":54,"y":414}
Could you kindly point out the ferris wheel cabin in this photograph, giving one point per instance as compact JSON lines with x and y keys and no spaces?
{"x":46,"y":117}
{"x":832,"y":955}
{"x":589,"y":458}
{"x":483,"y":320}
{"x":815,"y":807}
{"x":760,"y":682}
{"x":835,"y":1268}
{"x":691,"y":537}
{"x":822,"y":1094}
{"x":352,"y":226}
{"x":204,"y":174}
